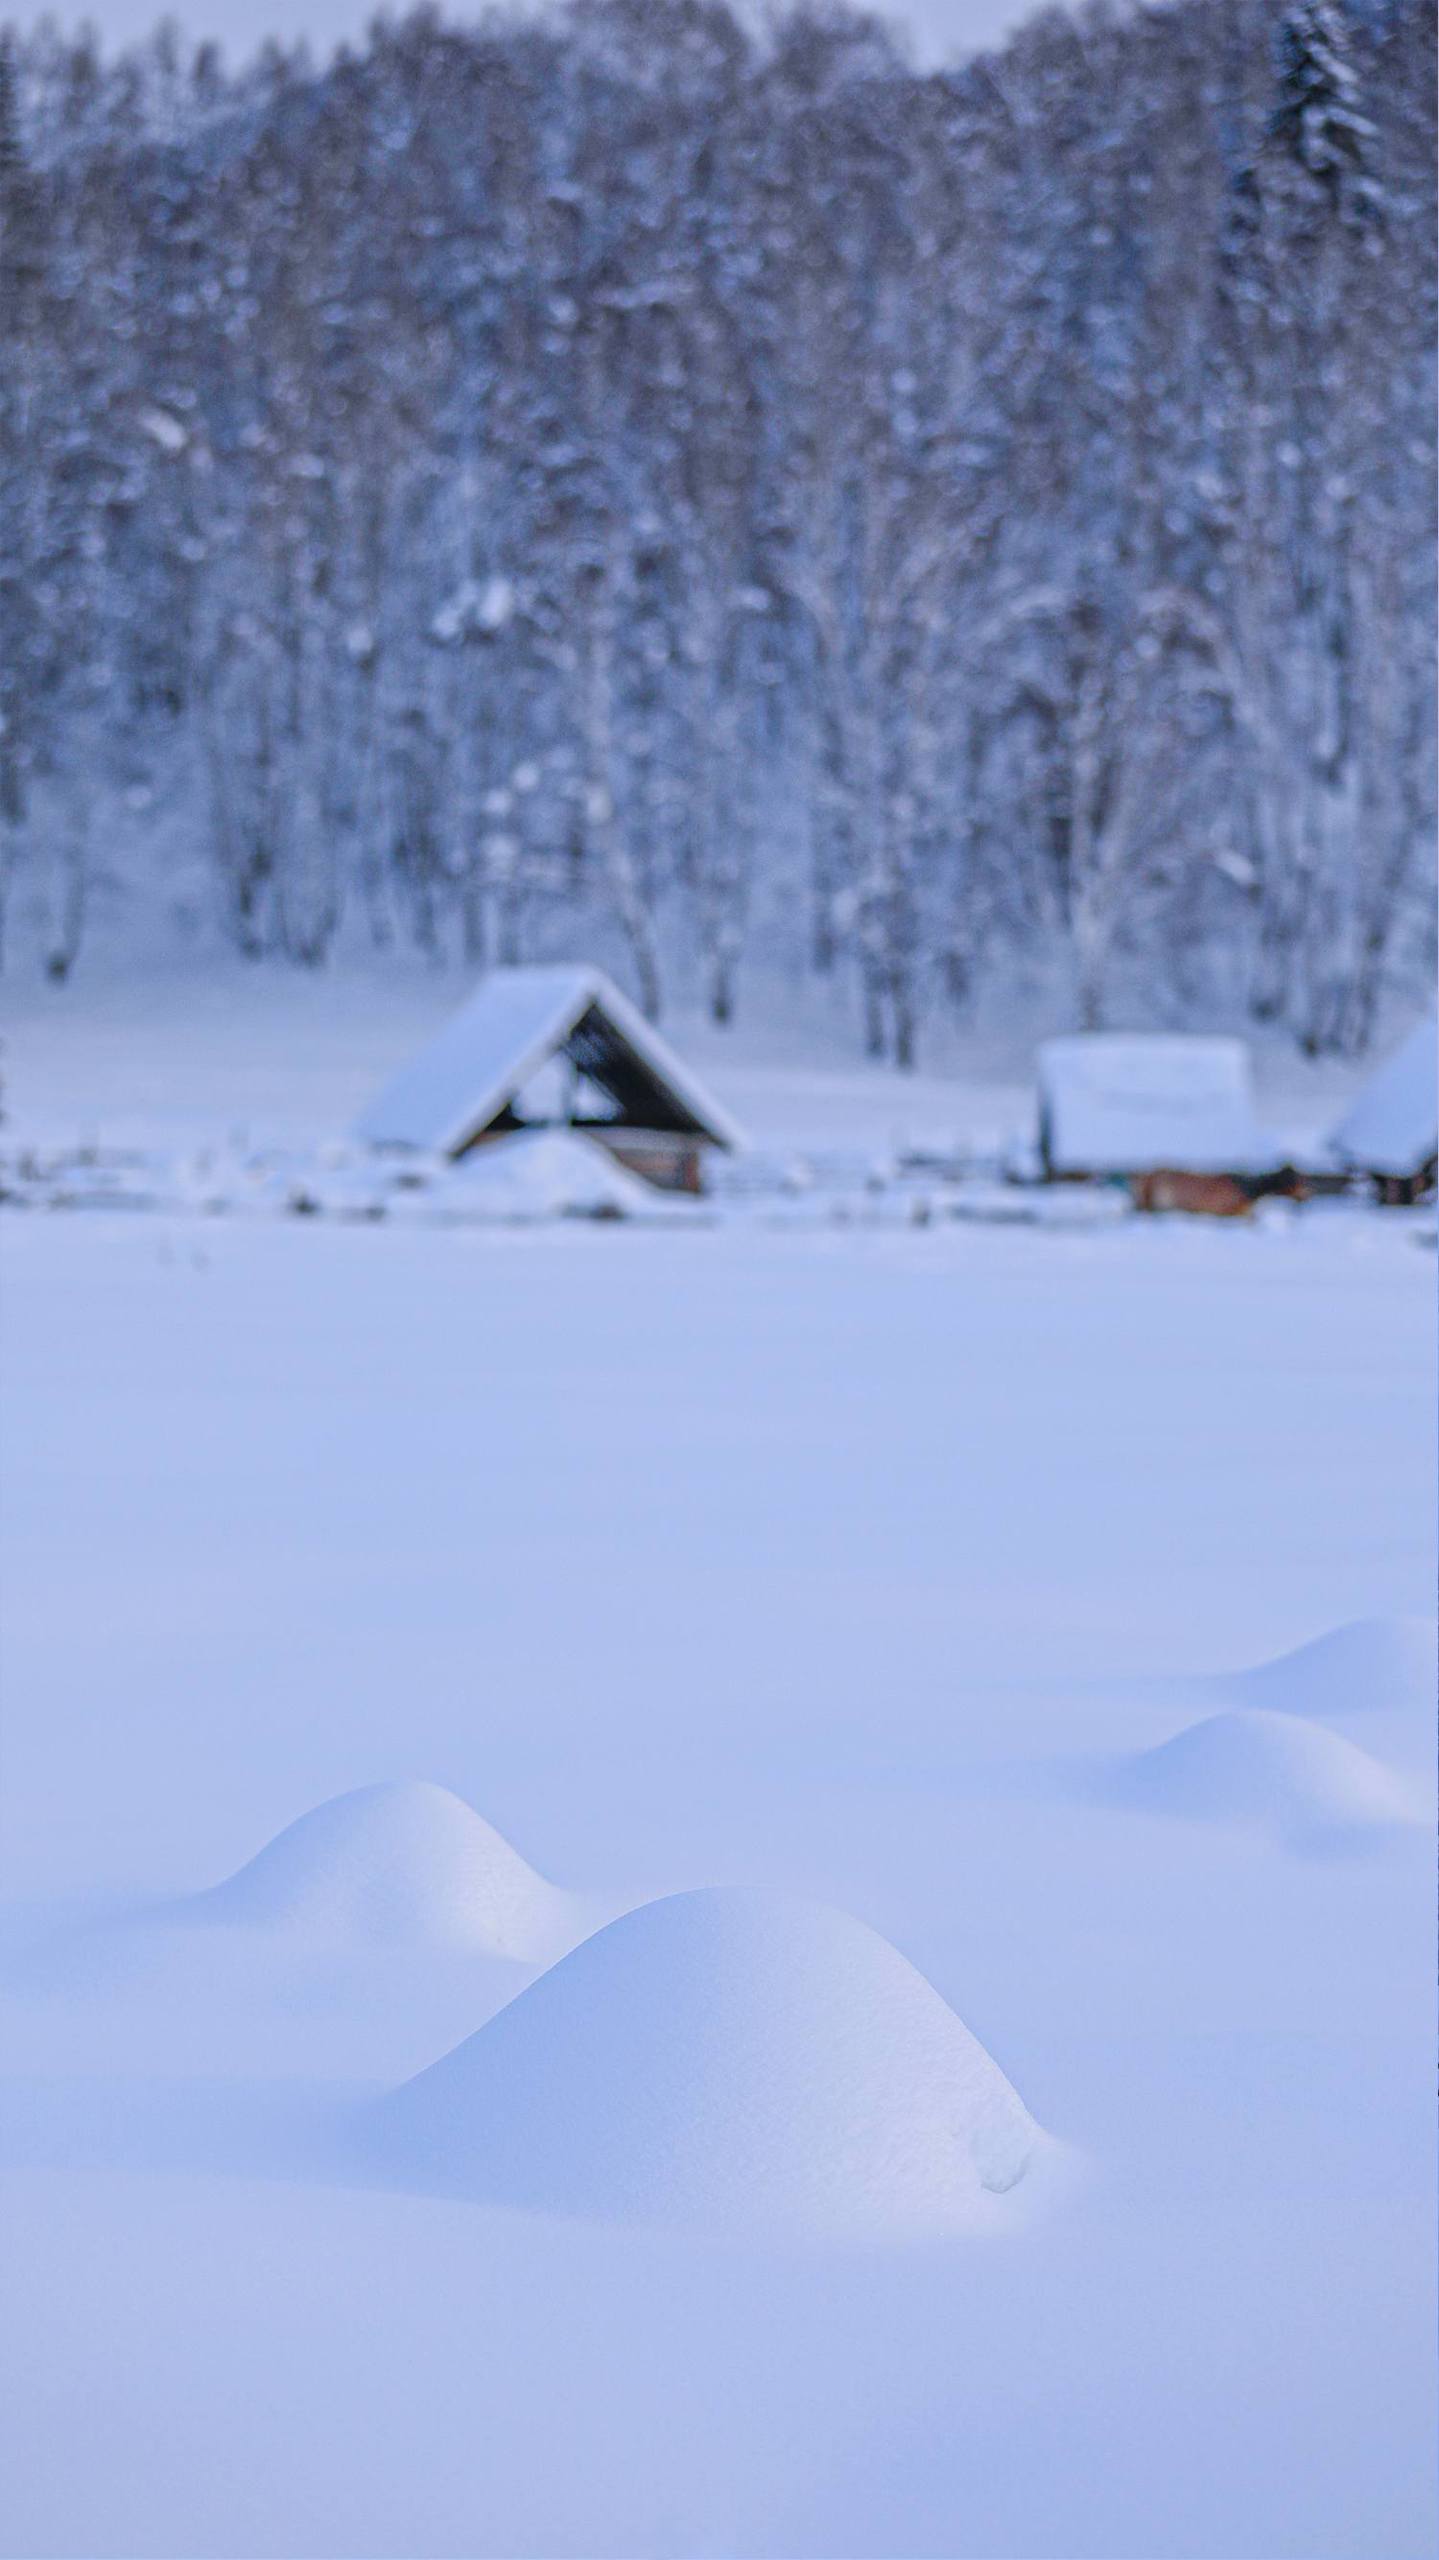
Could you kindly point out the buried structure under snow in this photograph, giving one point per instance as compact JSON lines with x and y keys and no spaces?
{"x":547,"y":1048}
{"x":1391,"y":1130}
{"x":1171,"y":1114}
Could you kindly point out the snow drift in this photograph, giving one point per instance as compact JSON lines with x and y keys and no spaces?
{"x":547,"y":1173}
{"x":1280,"y":1771}
{"x":394,"y":1866}
{"x":1392,"y":1126}
{"x":730,"y":2060}
{"x":1371,"y":1663}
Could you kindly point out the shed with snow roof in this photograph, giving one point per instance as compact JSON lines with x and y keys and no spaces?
{"x":547,"y":1048}
{"x":1123,"y":1105}
{"x":1391,"y":1129}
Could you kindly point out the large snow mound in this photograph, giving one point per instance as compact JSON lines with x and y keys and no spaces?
{"x":408,"y":1864}
{"x":1279,"y":1771}
{"x":1371,"y":1663}
{"x":549,"y":1173}
{"x":731,"y":2060}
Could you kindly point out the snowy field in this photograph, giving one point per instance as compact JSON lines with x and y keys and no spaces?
{"x":1033,"y":2156}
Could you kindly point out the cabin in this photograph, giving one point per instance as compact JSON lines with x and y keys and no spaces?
{"x":1171,"y":1115}
{"x":554,"y":1048}
{"x":1391,"y":1130}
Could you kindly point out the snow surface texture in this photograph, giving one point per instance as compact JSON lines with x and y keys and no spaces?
{"x":1118,"y":1102}
{"x":395,"y":1866}
{"x":1313,"y":1788}
{"x":508,"y":1181}
{"x":1373,"y":1663}
{"x":531,"y":1176}
{"x":735,"y":1554}
{"x":553,"y":1173}
{"x":731,"y":2060}
{"x":1393,"y":1125}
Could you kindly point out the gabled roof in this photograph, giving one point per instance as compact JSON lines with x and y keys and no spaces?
{"x":1393,"y":1124}
{"x":516,"y":1021}
{"x":1132,"y":1102}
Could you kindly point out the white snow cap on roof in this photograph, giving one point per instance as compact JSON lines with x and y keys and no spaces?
{"x":1393,"y":1126}
{"x":1131,"y":1102}
{"x":489,"y":1050}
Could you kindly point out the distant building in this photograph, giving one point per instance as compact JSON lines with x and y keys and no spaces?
{"x":1391,"y":1131}
{"x":554,"y":1048}
{"x":1170,"y":1114}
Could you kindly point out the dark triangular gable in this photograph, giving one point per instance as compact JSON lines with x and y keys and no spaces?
{"x":643,"y":1099}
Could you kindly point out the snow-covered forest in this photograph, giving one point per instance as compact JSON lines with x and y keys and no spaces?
{"x":619,"y":481}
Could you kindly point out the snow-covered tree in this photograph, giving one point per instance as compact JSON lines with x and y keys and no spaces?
{"x":619,"y":478}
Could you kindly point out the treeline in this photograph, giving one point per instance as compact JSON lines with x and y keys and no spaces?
{"x":616,"y":481}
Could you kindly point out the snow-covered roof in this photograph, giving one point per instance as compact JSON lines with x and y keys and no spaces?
{"x":1130,"y":1102}
{"x":1393,"y":1125}
{"x":516,"y":1021}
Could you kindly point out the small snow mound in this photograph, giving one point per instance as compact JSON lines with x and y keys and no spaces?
{"x":399,"y":1865}
{"x":1281,"y":1771}
{"x":1371,"y":1663}
{"x":728,"y":2060}
{"x":547,"y":1173}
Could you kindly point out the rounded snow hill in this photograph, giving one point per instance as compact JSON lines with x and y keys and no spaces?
{"x":546,"y":1173}
{"x":728,"y":2060}
{"x":1371,"y":1663}
{"x":399,"y":1865}
{"x":1311,"y":1786}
